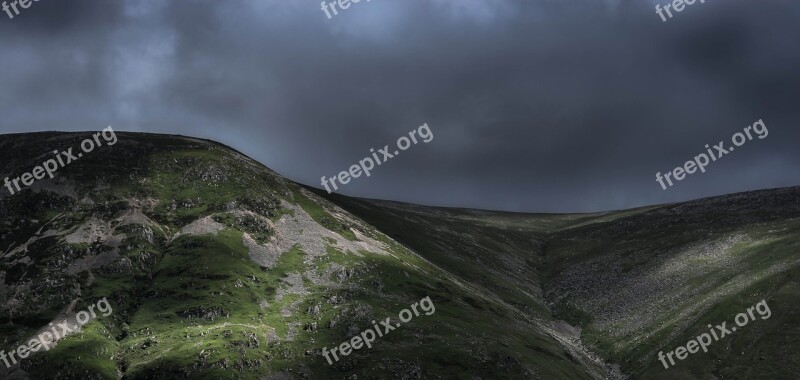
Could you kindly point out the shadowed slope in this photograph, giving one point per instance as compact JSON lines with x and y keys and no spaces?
{"x":638,"y":281}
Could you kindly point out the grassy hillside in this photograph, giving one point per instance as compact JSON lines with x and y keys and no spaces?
{"x":500,"y":252}
{"x":654,"y":280}
{"x":216,"y":267}
{"x":636,"y":282}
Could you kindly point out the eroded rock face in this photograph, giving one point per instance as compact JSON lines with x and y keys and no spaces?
{"x":91,"y":231}
{"x":263,"y":255}
{"x":297,"y":228}
{"x":202,"y":226}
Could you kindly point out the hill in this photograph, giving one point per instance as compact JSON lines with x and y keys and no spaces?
{"x":217,"y":267}
{"x":635,"y":282}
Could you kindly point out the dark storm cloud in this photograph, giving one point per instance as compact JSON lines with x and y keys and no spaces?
{"x":534,"y":105}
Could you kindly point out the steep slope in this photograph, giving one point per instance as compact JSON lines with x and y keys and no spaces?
{"x":636,"y":282}
{"x":652,"y":281}
{"x":500,"y":252}
{"x":217,"y":267}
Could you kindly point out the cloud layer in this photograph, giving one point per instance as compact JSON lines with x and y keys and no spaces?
{"x":535,"y":105}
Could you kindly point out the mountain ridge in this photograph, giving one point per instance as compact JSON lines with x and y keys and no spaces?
{"x":217,"y":266}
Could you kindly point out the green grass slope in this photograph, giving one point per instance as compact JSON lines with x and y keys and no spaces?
{"x":218,"y":268}
{"x":651,"y":281}
{"x":636,"y":282}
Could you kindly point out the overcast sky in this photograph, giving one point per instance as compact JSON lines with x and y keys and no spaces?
{"x":535,"y":105}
